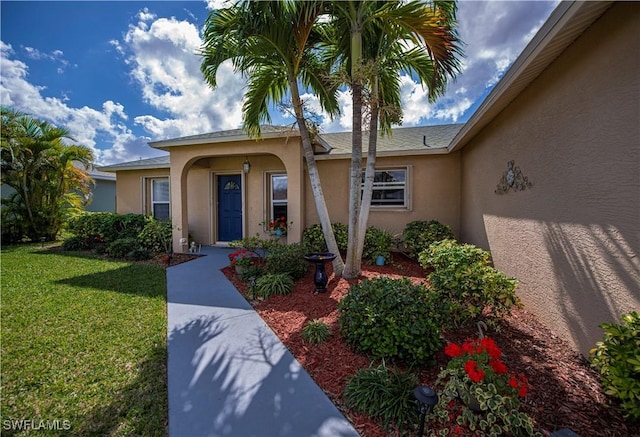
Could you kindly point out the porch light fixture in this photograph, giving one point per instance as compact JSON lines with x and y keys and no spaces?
{"x":246,"y":166}
{"x":427,"y":399}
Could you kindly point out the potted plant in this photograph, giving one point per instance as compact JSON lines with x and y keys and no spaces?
{"x":480,"y":393}
{"x":377,"y":245}
{"x":278,"y":226}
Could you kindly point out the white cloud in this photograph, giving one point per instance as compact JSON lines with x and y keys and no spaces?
{"x":166,"y":67}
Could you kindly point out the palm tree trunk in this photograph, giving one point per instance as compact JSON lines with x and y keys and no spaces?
{"x":367,"y":190}
{"x":314,"y":179}
{"x":352,"y":266}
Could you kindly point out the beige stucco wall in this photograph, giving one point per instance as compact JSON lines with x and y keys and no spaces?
{"x":129,"y":189}
{"x":434,"y":191}
{"x":573,"y":240}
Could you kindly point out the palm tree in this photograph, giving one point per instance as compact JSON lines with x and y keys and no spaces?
{"x":42,"y":170}
{"x":376,"y":40}
{"x":275,"y":44}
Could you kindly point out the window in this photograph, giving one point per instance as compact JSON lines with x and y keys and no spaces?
{"x":389,"y":188}
{"x":278,"y":195}
{"x":160,"y":198}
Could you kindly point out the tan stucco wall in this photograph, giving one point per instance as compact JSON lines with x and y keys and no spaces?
{"x":129,"y":189}
{"x":434,"y":190}
{"x":573,"y":240}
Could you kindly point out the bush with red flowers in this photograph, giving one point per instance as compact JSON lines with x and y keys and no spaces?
{"x":278,"y":225}
{"x":479,"y":393}
{"x":242,"y":258}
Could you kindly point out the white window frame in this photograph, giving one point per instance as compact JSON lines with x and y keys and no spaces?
{"x":406,"y":202}
{"x":155,"y":202}
{"x":272,"y":201}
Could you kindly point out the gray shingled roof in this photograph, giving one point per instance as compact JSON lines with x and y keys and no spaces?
{"x":223,"y":136}
{"x":409,"y":139}
{"x":140,"y":164}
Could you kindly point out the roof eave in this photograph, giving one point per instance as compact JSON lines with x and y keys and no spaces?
{"x":177,"y":142}
{"x":564,"y":26}
{"x":386,"y":153}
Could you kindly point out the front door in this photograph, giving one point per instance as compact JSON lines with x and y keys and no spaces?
{"x":229,"y":207}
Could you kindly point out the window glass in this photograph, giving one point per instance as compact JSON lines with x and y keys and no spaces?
{"x":278,"y":198}
{"x":160,"y":208}
{"x":389,"y":188}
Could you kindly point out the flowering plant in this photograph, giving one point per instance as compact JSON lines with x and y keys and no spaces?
{"x":242,"y":258}
{"x":480,"y":393}
{"x":278,"y":225}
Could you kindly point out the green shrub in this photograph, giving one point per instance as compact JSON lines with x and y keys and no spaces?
{"x":316,"y":331}
{"x":287,"y":259}
{"x":75,"y":243}
{"x":109,"y":226}
{"x":384,"y":394}
{"x":419,"y":235}
{"x":253,"y":271}
{"x":617,"y":359}
{"x":139,"y":254}
{"x":313,"y":238}
{"x":466,"y":284}
{"x":274,"y":284}
{"x":256,"y":244}
{"x":121,"y":247}
{"x":377,"y":242}
{"x":156,"y":236}
{"x":391,"y":318}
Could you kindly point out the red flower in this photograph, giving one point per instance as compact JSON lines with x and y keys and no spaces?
{"x":452,"y":350}
{"x":475,"y":373}
{"x":498,"y":366}
{"x":468,"y":347}
{"x":522,"y":391}
{"x":513,"y":382}
{"x":492,"y":349}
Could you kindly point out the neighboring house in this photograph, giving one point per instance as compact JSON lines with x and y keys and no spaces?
{"x":103,"y":191}
{"x":545,"y":174}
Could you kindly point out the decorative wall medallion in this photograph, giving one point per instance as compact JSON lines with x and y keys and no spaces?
{"x":512,"y":179}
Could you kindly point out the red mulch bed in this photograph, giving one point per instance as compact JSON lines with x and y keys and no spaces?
{"x":564,"y":391}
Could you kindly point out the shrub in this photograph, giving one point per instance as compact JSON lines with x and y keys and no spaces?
{"x":419,"y":235}
{"x":121,"y":247}
{"x":75,"y":243}
{"x":313,"y":238}
{"x":391,"y":318}
{"x":287,"y":259}
{"x":139,"y":254}
{"x":377,"y":242}
{"x":617,"y":359}
{"x":109,"y":226}
{"x":316,"y":331}
{"x":156,"y":236}
{"x":466,"y":284}
{"x":384,"y":394}
{"x":254,"y":271}
{"x":274,"y":284}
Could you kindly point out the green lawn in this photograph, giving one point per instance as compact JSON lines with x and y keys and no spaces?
{"x":83,"y":342}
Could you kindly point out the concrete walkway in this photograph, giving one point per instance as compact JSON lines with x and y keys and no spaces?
{"x":228,"y":373}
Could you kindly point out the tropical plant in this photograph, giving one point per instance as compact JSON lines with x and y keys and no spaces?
{"x":45,"y":173}
{"x":385,"y":394}
{"x":418,"y":235}
{"x":287,"y":258}
{"x":275,"y":44}
{"x":374,"y":42}
{"x":480,"y":393}
{"x":316,"y":331}
{"x":391,"y":318}
{"x":274,"y":284}
{"x":313,"y":237}
{"x":121,"y":247}
{"x":377,"y":242}
{"x":467,"y":284}
{"x":617,"y":359}
{"x":157,"y":235}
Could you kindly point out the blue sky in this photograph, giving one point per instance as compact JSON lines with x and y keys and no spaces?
{"x":119,"y":74}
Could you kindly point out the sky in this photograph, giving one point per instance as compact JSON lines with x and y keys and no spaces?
{"x":119,"y":74}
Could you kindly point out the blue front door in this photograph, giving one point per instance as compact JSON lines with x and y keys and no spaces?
{"x":229,"y":207}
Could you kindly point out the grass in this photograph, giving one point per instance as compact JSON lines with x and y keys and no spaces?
{"x":83,"y":343}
